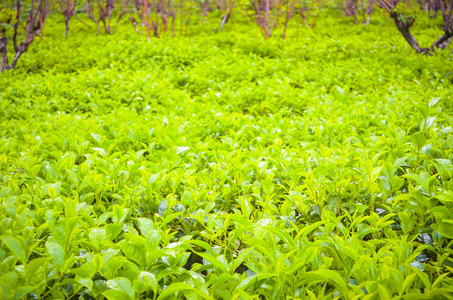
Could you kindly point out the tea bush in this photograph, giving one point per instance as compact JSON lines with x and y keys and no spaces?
{"x":220,"y":166}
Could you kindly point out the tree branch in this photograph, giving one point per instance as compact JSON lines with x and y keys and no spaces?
{"x":442,"y":42}
{"x":16,"y":26}
{"x":4,"y":54}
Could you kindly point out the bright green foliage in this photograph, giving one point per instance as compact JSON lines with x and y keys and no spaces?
{"x":405,"y":14}
{"x":7,"y":16}
{"x":221,"y":167}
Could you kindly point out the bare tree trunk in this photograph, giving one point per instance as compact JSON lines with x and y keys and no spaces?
{"x":226,"y":17}
{"x":289,"y":14}
{"x":173,"y":17}
{"x":266,"y":19}
{"x":205,"y":9}
{"x":447,"y":16}
{"x":351,"y":10}
{"x":4,"y":54}
{"x":363,"y":12}
{"x":16,"y":26}
{"x":302,"y":11}
{"x":123,"y":9}
{"x":91,"y":16}
{"x":41,"y":19}
{"x":279,"y":14}
{"x":134,"y":23}
{"x":68,"y":13}
{"x":221,"y":4}
{"x":156,"y":21}
{"x":22,"y":48}
{"x":138,"y":4}
{"x":443,"y":41}
{"x":147,"y":19}
{"x":32,"y":27}
{"x":164,"y":13}
{"x":369,"y":11}
{"x":110,"y":8}
{"x":66,"y":31}
{"x":403,"y":24}
{"x":403,"y":27}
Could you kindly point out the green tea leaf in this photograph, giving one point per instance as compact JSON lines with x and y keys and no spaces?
{"x":16,"y":248}
{"x":445,"y":228}
{"x":406,"y":221}
{"x":57,"y":254}
{"x":121,"y":284}
{"x":418,"y":140}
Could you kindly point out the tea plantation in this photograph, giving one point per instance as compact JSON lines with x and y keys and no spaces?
{"x":219,"y":165}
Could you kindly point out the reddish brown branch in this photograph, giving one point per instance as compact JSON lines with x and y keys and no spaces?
{"x":32,"y":27}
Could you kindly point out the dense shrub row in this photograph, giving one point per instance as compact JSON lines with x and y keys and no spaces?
{"x":225,"y":167}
